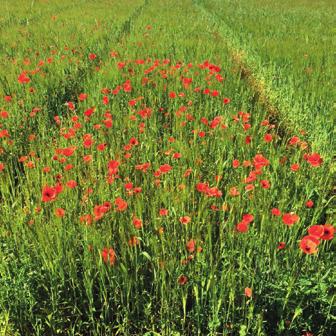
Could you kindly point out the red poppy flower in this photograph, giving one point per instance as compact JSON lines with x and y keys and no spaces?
{"x":132,"y":102}
{"x":89,"y":112}
{"x":294,"y":140}
{"x":101,"y":147}
{"x":23,"y":78}
{"x":265,"y":184}
{"x":100,"y":210}
{"x":290,"y":218}
{"x":87,"y":140}
{"x":92,"y":56}
{"x":58,"y":188}
{"x":4,"y":114}
{"x":215,"y":122}
{"x":248,"y":218}
{"x":260,"y":161}
{"x":59,"y":212}
{"x":185,"y":220}
{"x":316,"y":231}
{"x":165,"y":168}
{"x":214,"y":192}
{"x":191,"y":245}
{"x":307,"y":333}
{"x":128,"y":186}
{"x":242,"y":227}
{"x":68,"y":167}
{"x":163,"y":212}
{"x":246,"y":126}
{"x":137,"y":223}
{"x":234,"y":192}
{"x":137,"y":190}
{"x":309,"y":244}
{"x":295,"y":167}
{"x":71,"y":184}
{"x":309,"y":204}
{"x":204,"y":121}
{"x":248,"y":292}
{"x":82,"y":96}
{"x":251,"y":178}
{"x":202,"y":187}
{"x":281,"y":245}
{"x":182,"y":280}
{"x":4,"y":134}
{"x":70,"y":105}
{"x":268,"y":137}
{"x":328,"y":233}
{"x":249,"y":187}
{"x":68,"y":151}
{"x":248,"y":139}
{"x":87,"y":158}
{"x":314,"y":159}
{"x":108,"y":255}
{"x":133,"y":141}
{"x":48,"y":194}
{"x":87,"y":219}
{"x":127,"y":86}
{"x":120,"y":204}
{"x":235,"y":163}
{"x":113,"y":167}
{"x":187,"y":172}
{"x":105,"y":100}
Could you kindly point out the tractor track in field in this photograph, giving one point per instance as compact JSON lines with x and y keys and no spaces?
{"x":262,"y":97}
{"x":126,"y":26}
{"x":246,"y":73}
{"x":69,"y":89}
{"x":83,"y":73}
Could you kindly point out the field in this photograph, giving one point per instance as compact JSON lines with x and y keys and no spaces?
{"x":167,"y":167}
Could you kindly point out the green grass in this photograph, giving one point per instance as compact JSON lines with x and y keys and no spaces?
{"x":54,"y":279}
